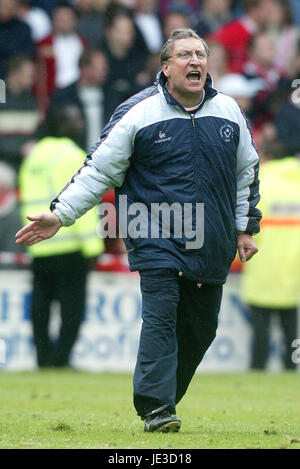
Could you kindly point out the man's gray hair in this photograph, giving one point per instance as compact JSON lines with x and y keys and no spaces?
{"x":180,"y":33}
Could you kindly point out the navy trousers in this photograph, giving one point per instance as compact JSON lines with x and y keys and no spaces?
{"x":179,"y":324}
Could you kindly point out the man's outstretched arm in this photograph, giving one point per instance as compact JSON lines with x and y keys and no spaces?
{"x":103,"y":169}
{"x":42,"y":226}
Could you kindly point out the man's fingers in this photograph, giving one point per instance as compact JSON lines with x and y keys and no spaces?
{"x":30,"y":238}
{"x":25,"y":238}
{"x":242,"y":254}
{"x":249,"y":255}
{"x":249,"y":252}
{"x":246,"y":247}
{"x":32,"y":229}
{"x":25,"y":230}
{"x":34,"y":240}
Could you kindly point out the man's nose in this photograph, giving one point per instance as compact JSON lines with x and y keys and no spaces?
{"x":194,"y":57}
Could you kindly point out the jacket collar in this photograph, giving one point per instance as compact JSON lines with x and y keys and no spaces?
{"x":161,"y":81}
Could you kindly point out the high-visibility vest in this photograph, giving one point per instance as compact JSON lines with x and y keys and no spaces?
{"x":272,"y":277}
{"x":43,"y":173}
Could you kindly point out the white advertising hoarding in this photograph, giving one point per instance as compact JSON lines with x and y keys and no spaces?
{"x":109,"y":334}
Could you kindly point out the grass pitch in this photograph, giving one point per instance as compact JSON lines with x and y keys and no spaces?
{"x":69,"y":409}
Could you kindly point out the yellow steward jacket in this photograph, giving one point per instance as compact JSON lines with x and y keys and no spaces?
{"x":272,"y":277}
{"x":43,"y":173}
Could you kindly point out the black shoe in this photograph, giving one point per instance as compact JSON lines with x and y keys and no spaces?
{"x":162,"y":422}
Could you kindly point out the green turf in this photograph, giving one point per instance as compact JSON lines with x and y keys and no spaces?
{"x":69,"y":409}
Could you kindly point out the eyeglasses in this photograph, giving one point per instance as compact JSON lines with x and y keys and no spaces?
{"x":188,"y":55}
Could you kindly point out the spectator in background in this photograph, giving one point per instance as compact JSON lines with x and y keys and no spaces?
{"x":9,"y":209}
{"x":127,"y":8}
{"x":235,"y":35}
{"x":91,"y":21}
{"x":261,"y":60}
{"x":191,"y":6}
{"x":176,"y":18}
{"x":295,"y":6}
{"x":285,"y":99}
{"x":60,"y":266}
{"x":47,"y":5}
{"x":285,"y":35}
{"x":19,"y":116}
{"x":91,"y":94}
{"x":59,"y":53}
{"x":149,"y":25}
{"x":128,"y":4}
{"x":241,"y":89}
{"x":217,"y":61}
{"x":271,"y":282}
{"x":260,"y":66}
{"x":127,"y":64}
{"x":287,"y":124}
{"x":15,"y":35}
{"x":36,"y":18}
{"x":213,"y":15}
{"x":284,"y":104}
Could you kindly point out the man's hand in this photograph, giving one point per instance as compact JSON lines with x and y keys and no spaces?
{"x":42,"y":226}
{"x":246,"y":247}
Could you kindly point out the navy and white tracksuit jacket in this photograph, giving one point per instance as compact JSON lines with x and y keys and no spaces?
{"x":153,"y":151}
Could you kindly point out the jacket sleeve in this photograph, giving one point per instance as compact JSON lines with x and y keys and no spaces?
{"x":247,"y":214}
{"x":104,"y":168}
{"x":84,"y":231}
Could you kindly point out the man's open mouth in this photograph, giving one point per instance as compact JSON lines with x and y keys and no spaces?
{"x":193,"y":76}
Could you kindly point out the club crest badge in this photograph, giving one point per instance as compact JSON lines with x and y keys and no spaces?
{"x":227,"y":132}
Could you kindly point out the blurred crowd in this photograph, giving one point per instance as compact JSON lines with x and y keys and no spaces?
{"x":94,"y":54}
{"x":69,"y":64}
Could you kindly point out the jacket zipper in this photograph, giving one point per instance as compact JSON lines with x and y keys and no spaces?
{"x":193,"y":120}
{"x":197,"y":166}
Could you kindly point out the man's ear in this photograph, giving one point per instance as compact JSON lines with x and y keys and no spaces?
{"x":165,"y":69}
